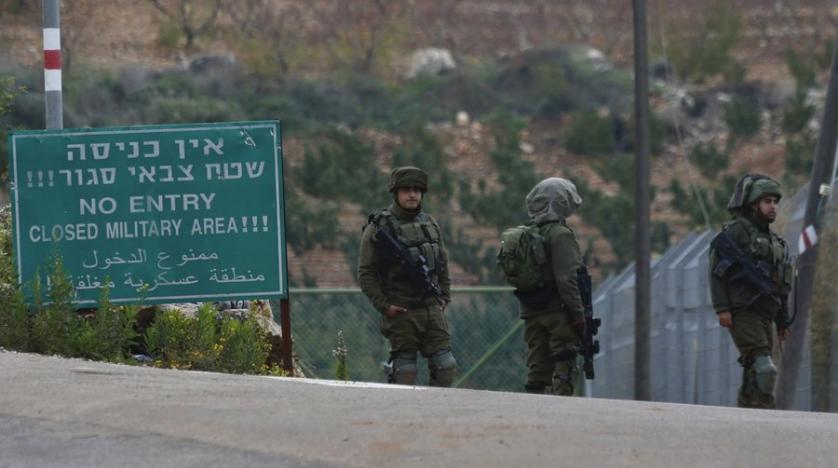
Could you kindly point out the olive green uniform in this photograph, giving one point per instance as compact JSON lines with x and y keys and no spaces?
{"x":549,"y":325}
{"x":754,"y":316}
{"x":423,"y":328}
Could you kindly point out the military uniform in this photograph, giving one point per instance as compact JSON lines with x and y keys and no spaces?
{"x":385,"y":281}
{"x":754,"y":314}
{"x":552,"y":323}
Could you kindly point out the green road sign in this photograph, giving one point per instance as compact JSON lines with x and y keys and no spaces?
{"x":167,"y":213}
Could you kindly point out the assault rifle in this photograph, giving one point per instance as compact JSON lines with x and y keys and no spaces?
{"x":757,"y":275}
{"x":417,"y":269}
{"x":588,"y":346}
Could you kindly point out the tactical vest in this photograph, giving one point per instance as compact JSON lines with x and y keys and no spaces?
{"x":420,"y":235}
{"x":770,"y":248}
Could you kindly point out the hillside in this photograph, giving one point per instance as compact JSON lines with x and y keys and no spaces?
{"x":712,"y":124}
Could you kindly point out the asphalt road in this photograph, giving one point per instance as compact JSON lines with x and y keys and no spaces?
{"x":64,"y":412}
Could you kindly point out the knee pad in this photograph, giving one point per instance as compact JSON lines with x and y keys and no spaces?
{"x":564,"y":376}
{"x":404,"y":369}
{"x":443,"y":368}
{"x":766,"y":374}
{"x":443,"y":360}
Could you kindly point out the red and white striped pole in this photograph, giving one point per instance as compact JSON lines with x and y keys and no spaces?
{"x":52,"y":65}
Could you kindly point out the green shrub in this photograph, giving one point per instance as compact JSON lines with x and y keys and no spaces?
{"x":9,"y":90}
{"x":800,"y":153}
{"x":742,"y":117}
{"x":308,"y":226}
{"x":591,"y":134}
{"x":803,"y":69}
{"x":53,"y":320}
{"x":714,"y":199}
{"x":205,"y":343}
{"x":342,"y":167}
{"x":620,"y":168}
{"x":420,"y":148}
{"x":244,"y":348}
{"x":708,"y":159}
{"x":705,"y":50}
{"x":107,"y":335}
{"x":798,"y":113}
{"x":341,"y":352}
{"x":504,"y":206}
{"x":169,"y":340}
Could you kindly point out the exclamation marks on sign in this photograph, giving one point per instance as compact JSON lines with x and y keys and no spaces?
{"x":36,"y":179}
{"x":251,"y":224}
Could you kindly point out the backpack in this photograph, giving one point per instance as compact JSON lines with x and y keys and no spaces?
{"x":522,"y":257}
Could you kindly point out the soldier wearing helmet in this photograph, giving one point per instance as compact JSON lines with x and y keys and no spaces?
{"x":749,"y":304}
{"x":412,"y":317}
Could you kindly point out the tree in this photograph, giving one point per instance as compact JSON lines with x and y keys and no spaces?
{"x":705,"y":51}
{"x":265,"y":35}
{"x":191,"y":18}
{"x":361,"y":34}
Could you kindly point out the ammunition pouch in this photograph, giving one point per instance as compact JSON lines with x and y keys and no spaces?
{"x":536,"y":298}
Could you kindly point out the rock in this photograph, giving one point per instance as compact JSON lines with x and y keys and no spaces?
{"x":211,"y":63}
{"x":429,"y":62}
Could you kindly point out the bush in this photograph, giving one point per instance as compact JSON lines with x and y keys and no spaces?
{"x":342,"y":167}
{"x":708,"y":159}
{"x":53,"y":321}
{"x":204,"y":343}
{"x":714,"y":199}
{"x":797,"y":114}
{"x":591,"y":134}
{"x":742,"y":117}
{"x":14,"y":326}
{"x":420,"y":148}
{"x":504,"y":206}
{"x":9,"y":90}
{"x":244,"y":347}
{"x":705,"y":50}
{"x":800,"y":153}
{"x":107,"y":336}
{"x":170,"y":341}
{"x":340,"y":353}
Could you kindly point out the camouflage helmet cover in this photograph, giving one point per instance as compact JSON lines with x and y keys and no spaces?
{"x":751,"y":188}
{"x":408,"y":176}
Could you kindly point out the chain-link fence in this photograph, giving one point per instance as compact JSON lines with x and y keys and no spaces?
{"x":486,"y":336}
{"x":693,"y":359}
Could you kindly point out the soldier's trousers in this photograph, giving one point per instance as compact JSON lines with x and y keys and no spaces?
{"x":752,"y":333}
{"x":423,"y":329}
{"x":548,"y":337}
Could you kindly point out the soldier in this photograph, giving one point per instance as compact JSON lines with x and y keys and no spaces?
{"x":403,"y":270}
{"x":553,"y":313}
{"x":750,"y":279}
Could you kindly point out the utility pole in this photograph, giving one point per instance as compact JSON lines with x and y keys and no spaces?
{"x":642,"y":241}
{"x":52,"y":65}
{"x":824,"y":157}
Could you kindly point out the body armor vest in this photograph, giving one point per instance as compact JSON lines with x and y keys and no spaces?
{"x":420,"y":236}
{"x":770,"y":248}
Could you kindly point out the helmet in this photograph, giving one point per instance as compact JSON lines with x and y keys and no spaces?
{"x":408,"y":176}
{"x":751,"y":188}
